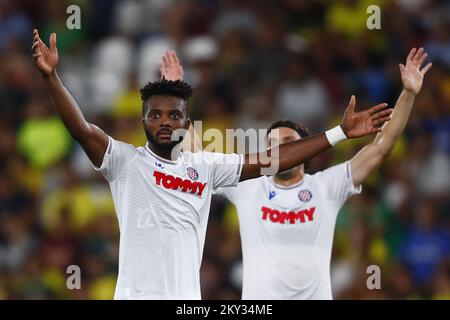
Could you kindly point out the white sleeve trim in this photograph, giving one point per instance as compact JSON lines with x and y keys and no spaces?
{"x":237,"y":177}
{"x":105,"y":156}
{"x":240,"y":165}
{"x":348,"y":171}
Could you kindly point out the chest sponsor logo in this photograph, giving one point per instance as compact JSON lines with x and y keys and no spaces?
{"x":291,"y":217}
{"x":176,"y":183}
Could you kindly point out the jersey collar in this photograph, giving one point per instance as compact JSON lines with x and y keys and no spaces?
{"x":160,"y":158}
{"x":292,"y":186}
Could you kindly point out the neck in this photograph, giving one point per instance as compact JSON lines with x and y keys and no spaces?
{"x":297,"y":177}
{"x":164,"y":152}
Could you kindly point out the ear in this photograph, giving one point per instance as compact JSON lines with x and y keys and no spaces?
{"x":143,"y":123}
{"x":188,"y":123}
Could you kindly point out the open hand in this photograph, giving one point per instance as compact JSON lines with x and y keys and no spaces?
{"x":412,"y":75}
{"x":359,"y":124}
{"x":171,"y":68}
{"x":44,"y":58}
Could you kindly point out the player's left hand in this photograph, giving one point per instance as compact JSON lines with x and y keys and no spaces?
{"x":359,"y":124}
{"x":412,"y":75}
{"x":171,"y":68}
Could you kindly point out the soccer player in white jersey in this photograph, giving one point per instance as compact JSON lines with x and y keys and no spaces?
{"x":162,"y":197}
{"x":287,"y":229}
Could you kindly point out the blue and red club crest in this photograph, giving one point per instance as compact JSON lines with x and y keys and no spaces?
{"x":192,"y":173}
{"x":304,"y":195}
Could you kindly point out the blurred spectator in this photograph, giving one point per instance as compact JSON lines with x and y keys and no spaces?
{"x":42,"y":138}
{"x":429,"y":169}
{"x":302,"y":97}
{"x":439,"y":47}
{"x":426,"y":245}
{"x":14,"y":23}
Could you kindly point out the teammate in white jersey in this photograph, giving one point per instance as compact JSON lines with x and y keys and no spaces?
{"x":287,"y":228}
{"x":162,"y":196}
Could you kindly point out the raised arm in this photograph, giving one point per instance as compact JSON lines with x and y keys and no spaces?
{"x":93,"y":140}
{"x":372,"y":155}
{"x":288,"y":155}
{"x":171,"y":69}
{"x":354,"y":125}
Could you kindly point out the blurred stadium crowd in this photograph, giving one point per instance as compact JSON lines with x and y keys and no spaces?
{"x":250,"y":63}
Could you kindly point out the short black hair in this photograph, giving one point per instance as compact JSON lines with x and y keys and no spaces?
{"x":165,"y":87}
{"x":302,"y":131}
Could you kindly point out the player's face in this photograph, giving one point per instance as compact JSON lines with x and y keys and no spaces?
{"x":164,"y":115}
{"x":281,"y":135}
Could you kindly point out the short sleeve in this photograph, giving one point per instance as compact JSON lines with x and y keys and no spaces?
{"x":339,"y":183}
{"x":118,"y":154}
{"x":225,"y":168}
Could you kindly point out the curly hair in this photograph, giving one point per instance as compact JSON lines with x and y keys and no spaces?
{"x":165,"y":87}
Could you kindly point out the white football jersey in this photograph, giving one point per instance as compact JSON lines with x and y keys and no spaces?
{"x":162,"y":207}
{"x":287,"y":233}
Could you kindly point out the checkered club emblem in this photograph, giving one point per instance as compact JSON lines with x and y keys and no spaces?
{"x":304,"y":195}
{"x":192,"y":173}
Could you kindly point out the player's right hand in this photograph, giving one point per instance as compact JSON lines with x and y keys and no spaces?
{"x":44,"y":58}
